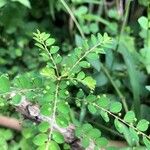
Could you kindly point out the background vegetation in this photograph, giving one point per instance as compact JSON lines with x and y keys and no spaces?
{"x":118,"y":72}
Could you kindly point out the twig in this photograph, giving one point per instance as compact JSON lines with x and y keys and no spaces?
{"x":115,"y":87}
{"x":73,"y":17}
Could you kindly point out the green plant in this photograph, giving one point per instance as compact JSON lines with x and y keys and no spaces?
{"x":74,"y":97}
{"x":54,"y":83}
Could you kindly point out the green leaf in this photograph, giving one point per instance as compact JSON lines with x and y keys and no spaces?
{"x":27,"y":132}
{"x":86,"y":127}
{"x":143,"y":21}
{"x":81,"y":75}
{"x":48,"y":72}
{"x":46,"y":110}
{"x":91,"y":98}
{"x":90,"y":82}
{"x":53,"y":145}
{"x":8,"y":134}
{"x":48,"y":97}
{"x":3,"y":144}
{"x":93,"y":56}
{"x":39,"y":45}
{"x":142,"y":125}
{"x":103,"y":101}
{"x":78,"y":132}
{"x":104,"y":115}
{"x":26,"y":3}
{"x":78,"y":51}
{"x":57,"y":59}
{"x":50,"y":41}
{"x":40,"y":139}
{"x":127,"y":44}
{"x":101,"y":142}
{"x":58,"y":137}
{"x":134,"y":135}
{"x":124,"y":129}
{"x":81,"y":10}
{"x":129,"y":117}
{"x":115,"y":107}
{"x":85,"y":142}
{"x":62,"y":121}
{"x":4,"y":84}
{"x":16,"y":100}
{"x":2,"y":102}
{"x":43,"y":126}
{"x":94,"y":27}
{"x":118,"y":125}
{"x":23,"y":81}
{"x":84,"y":64}
{"x":54,"y":49}
{"x":146,"y":142}
{"x":92,"y":109}
{"x":94,"y":133}
{"x":63,"y":108}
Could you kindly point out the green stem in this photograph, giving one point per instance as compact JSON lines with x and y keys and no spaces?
{"x":51,"y":57}
{"x":115,"y":87}
{"x":83,"y":112}
{"x":125,"y":17}
{"x":124,"y":23}
{"x":148,"y":30}
{"x":53,"y":116}
{"x":73,"y":17}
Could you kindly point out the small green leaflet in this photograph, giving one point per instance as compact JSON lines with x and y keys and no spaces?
{"x":48,"y":72}
{"x":16,"y":100}
{"x":4,"y":84}
{"x":146,"y":142}
{"x":85,"y":142}
{"x":58,"y":137}
{"x":115,"y":107}
{"x":40,"y":139}
{"x":92,"y":109}
{"x":142,"y":125}
{"x":50,"y":41}
{"x":90,"y":82}
{"x":54,"y":49}
{"x":43,"y":126}
{"x":129,"y":117}
{"x":103,"y":101}
{"x":143,"y":21}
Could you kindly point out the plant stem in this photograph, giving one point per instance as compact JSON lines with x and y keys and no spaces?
{"x":123,"y":24}
{"x":73,"y":17}
{"x":52,"y":60}
{"x":115,"y":87}
{"x":148,"y":30}
{"x":53,"y":116}
{"x":83,"y":112}
{"x":125,"y":17}
{"x":121,"y":120}
{"x":85,"y":54}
